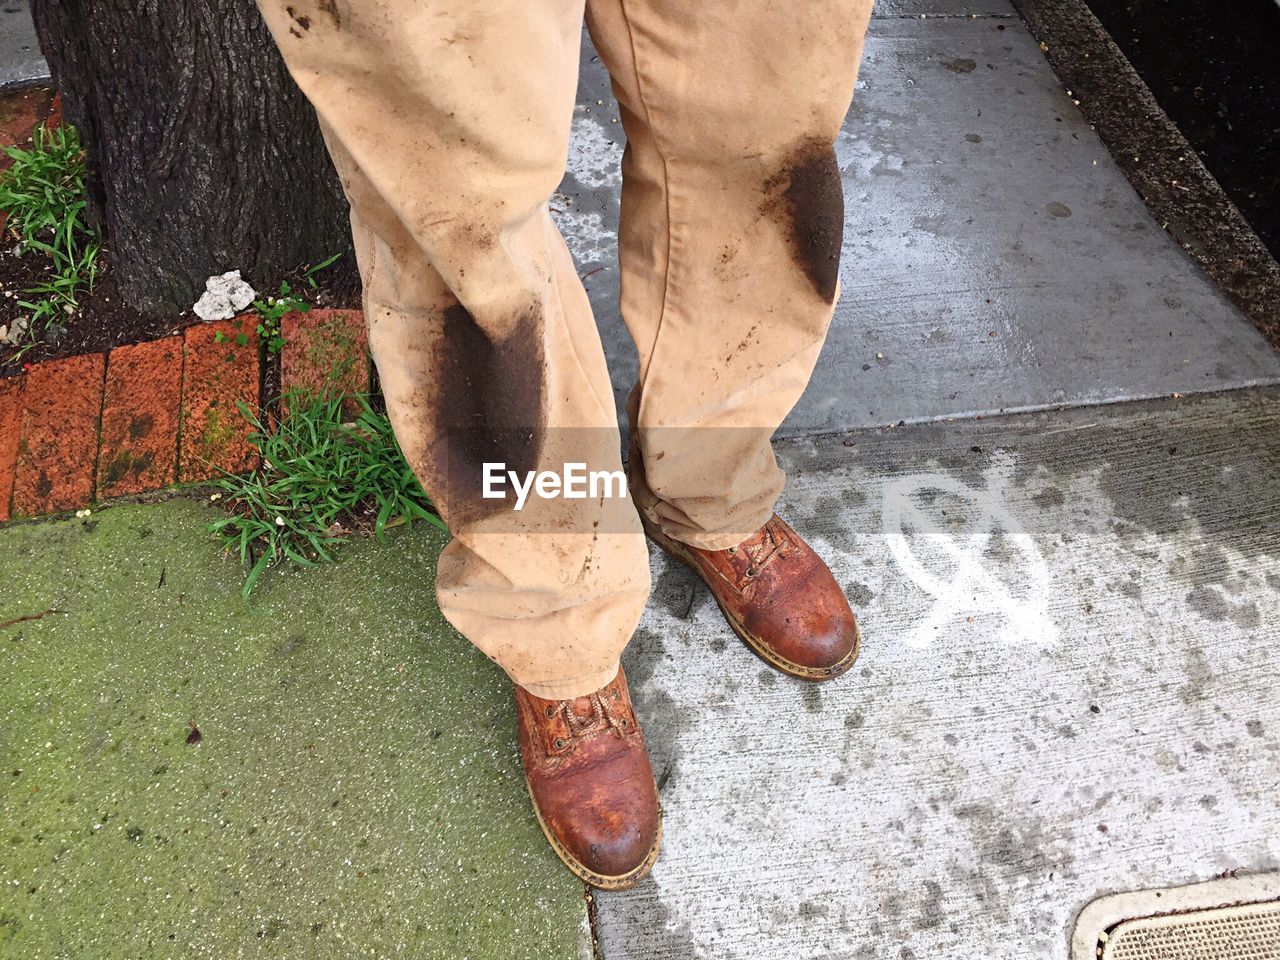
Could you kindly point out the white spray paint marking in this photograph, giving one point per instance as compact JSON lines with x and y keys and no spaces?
{"x":953,"y":565}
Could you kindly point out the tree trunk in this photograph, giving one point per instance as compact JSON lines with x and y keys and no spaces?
{"x":203,"y":154}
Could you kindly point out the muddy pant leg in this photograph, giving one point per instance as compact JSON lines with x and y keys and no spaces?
{"x":730,"y":237}
{"x":449,"y":128}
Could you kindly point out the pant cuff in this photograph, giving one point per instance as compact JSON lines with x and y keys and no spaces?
{"x":569,"y":689}
{"x":712,"y":541}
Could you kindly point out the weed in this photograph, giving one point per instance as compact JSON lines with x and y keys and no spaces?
{"x":322,"y":477}
{"x":241,"y":339}
{"x":273,"y":309}
{"x":43,"y":194}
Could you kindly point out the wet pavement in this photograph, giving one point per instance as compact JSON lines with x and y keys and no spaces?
{"x":1067,"y":688}
{"x":20,"y":59}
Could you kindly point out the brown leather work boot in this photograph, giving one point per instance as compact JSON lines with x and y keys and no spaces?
{"x":592,"y":787}
{"x":779,"y":597}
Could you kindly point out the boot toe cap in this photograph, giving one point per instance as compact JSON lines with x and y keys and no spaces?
{"x":611,"y":846}
{"x":606,"y":819}
{"x":812,"y":628}
{"x":827,"y":642}
{"x":817,"y":641}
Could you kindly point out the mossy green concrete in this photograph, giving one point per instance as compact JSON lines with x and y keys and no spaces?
{"x":355,"y":789}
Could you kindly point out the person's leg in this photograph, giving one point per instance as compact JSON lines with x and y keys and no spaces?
{"x":732,"y":219}
{"x":449,"y":128}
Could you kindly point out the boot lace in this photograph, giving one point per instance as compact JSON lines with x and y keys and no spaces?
{"x":605,"y":715}
{"x":753,"y":554}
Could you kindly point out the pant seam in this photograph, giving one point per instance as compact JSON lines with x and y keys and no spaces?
{"x":666,"y":191}
{"x":606,"y":403}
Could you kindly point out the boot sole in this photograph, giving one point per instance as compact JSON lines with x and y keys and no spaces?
{"x":754,"y":643}
{"x":624,"y":881}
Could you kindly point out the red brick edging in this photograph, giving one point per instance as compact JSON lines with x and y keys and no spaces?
{"x":58,"y":435}
{"x":138,"y":445}
{"x":149,"y":415}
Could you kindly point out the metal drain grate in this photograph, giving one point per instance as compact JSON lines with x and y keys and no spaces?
{"x":1233,"y":918}
{"x":1250,"y":932}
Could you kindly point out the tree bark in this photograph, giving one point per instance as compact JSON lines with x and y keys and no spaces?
{"x":203,"y":154}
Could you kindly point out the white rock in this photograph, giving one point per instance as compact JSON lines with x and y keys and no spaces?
{"x":224,"y":297}
{"x":12,"y":335}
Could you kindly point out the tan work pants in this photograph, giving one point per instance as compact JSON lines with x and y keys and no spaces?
{"x":449,"y":127}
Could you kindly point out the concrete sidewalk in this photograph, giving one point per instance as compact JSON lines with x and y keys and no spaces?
{"x":1067,"y":688}
{"x":20,"y":59}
